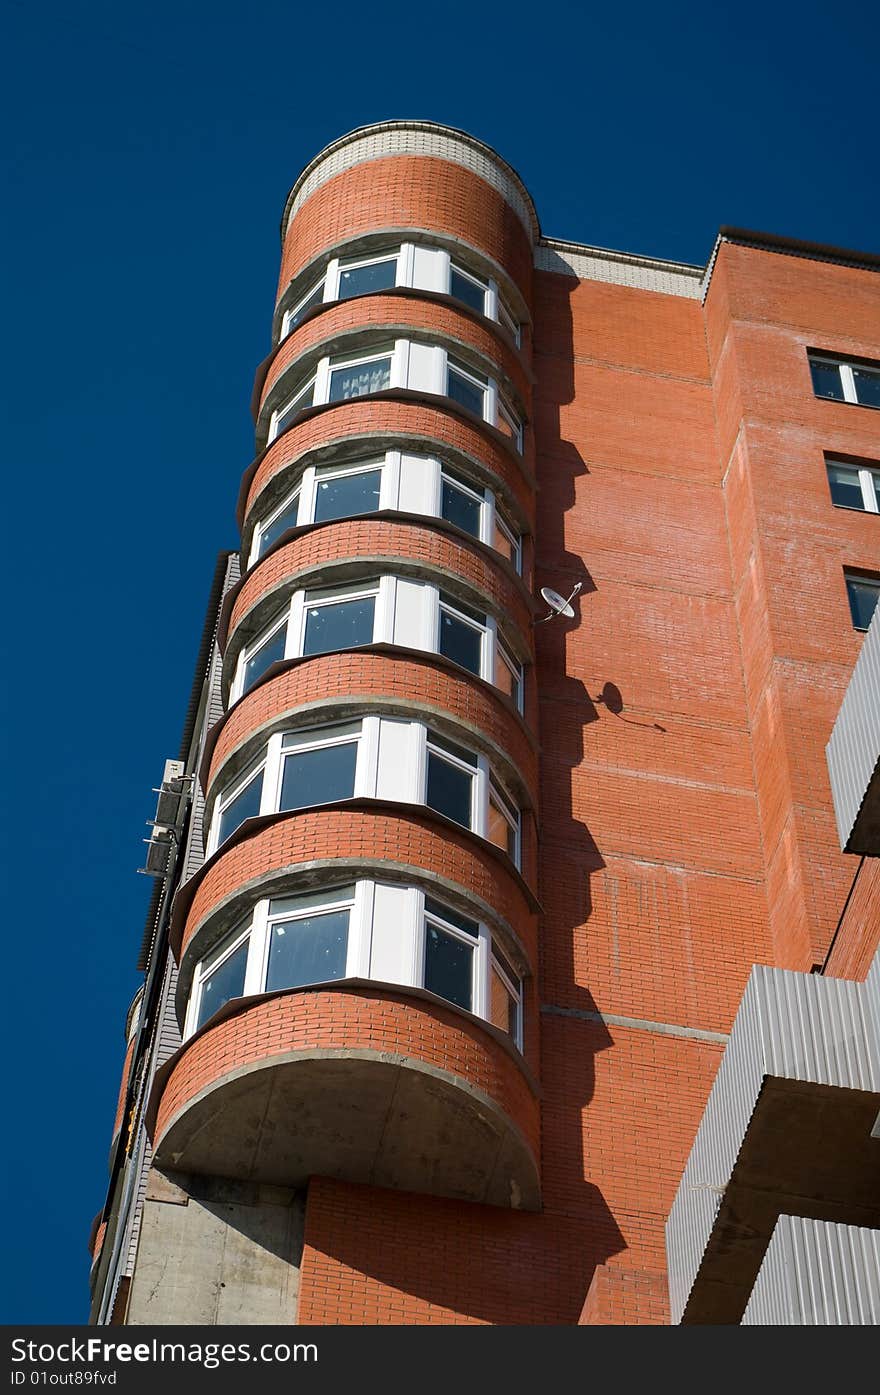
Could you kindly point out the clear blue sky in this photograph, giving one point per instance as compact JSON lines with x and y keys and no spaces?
{"x":148,"y":152}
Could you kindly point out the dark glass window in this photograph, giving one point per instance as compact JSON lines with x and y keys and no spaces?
{"x":449,"y":789}
{"x":459,"y":507}
{"x":461,"y":641}
{"x":339,"y":625}
{"x":313,"y":298}
{"x":342,"y":496}
{"x":360,"y":378}
{"x":223,"y":983}
{"x":309,"y":949}
{"x":360,"y":280}
{"x":272,"y":532}
{"x":826,"y":379}
{"x":318,"y":776}
{"x":464,"y":288}
{"x":867,"y":384}
{"x":448,"y":966}
{"x":863,"y":592}
{"x":846,"y":488}
{"x":304,"y":398}
{"x":466,"y":393}
{"x":245,"y":805}
{"x":269,"y":651}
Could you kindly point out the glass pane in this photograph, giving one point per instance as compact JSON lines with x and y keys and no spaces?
{"x":272,"y":649}
{"x":462,"y":922}
{"x":867,"y":386}
{"x":505,"y":544}
{"x":862,"y":600}
{"x":845,"y":487}
{"x":308,"y":950}
{"x":318,"y":777}
{"x":359,"y":280}
{"x":302,"y":310}
{"x":466,"y":393}
{"x":826,"y":379}
{"x":503,"y":1006}
{"x":303,"y":399}
{"x":286,"y":519}
{"x":449,"y":790}
{"x":507,"y":679}
{"x":345,"y":495}
{"x":344,"y":625}
{"x":460,"y":642}
{"x":359,"y":379}
{"x":460,"y":508}
{"x":448,"y":966}
{"x":463,"y":288}
{"x":509,"y":424}
{"x":245,"y":805}
{"x":297,"y":905}
{"x":499,"y":831}
{"x":225,"y":982}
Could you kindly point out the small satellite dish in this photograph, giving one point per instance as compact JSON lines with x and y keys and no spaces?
{"x":558,"y":604}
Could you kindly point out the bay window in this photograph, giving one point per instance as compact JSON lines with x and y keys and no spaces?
{"x":405,"y":611}
{"x":375,"y":756}
{"x":392,"y":933}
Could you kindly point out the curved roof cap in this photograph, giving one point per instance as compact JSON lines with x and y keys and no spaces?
{"x":384,"y":138}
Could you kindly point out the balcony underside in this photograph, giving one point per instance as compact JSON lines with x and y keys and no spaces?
{"x":357,"y":1115}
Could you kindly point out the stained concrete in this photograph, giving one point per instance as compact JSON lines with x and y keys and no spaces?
{"x":214,"y":1251}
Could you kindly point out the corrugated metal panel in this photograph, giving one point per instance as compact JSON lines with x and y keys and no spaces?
{"x":854,"y":749}
{"x":795,"y":1026}
{"x":816,"y":1273}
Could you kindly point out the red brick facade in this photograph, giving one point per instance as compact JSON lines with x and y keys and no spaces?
{"x":672,"y":744}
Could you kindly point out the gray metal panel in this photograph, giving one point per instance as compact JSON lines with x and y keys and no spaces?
{"x":816,"y":1273}
{"x":853,"y":751}
{"x":795,"y":1026}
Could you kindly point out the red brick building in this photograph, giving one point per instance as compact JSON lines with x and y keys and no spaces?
{"x":456,"y":898}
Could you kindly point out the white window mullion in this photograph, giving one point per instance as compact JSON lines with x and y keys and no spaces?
{"x":490,"y":646}
{"x":255,"y":973}
{"x":483,"y":975}
{"x":848,"y":382}
{"x":405,"y":264}
{"x":360,"y":926}
{"x":418,"y":938}
{"x":492,"y":300}
{"x":490,"y":410}
{"x":271,"y":795}
{"x":431,"y":620}
{"x":389,"y":490}
{"x":383,"y":617}
{"x":480,"y":798}
{"x":367,"y":766}
{"x":307,"y":496}
{"x":399,"y":375}
{"x":487,"y":534}
{"x":868,"y":481}
{"x":331,"y":280}
{"x":295,"y":625}
{"x":322,"y":381}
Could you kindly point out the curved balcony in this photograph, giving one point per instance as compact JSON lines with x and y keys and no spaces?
{"x":369,"y":425}
{"x":353,"y":1082}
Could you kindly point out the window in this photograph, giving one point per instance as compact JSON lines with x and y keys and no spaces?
{"x":503,"y":823}
{"x":241,"y":800}
{"x":302,"y":398}
{"x":507,"y":541}
{"x":461,"y":504}
{"x":467,"y":287}
{"x":220,"y":976}
{"x":508,"y":675}
{"x":844,"y":380}
{"x":509,"y":423}
{"x":854,"y":486}
{"x":285,"y":516}
{"x":449,"y":781}
{"x":269,"y":646}
{"x":344,"y":493}
{"x":462,"y":634}
{"x":450,"y":951}
{"x":307,"y":939}
{"x":332,"y":933}
{"x":337,"y":618}
{"x":360,"y":277}
{"x":466,"y":387}
{"x":359,"y":376}
{"x":863,"y":592}
{"x":299,"y":311}
{"x":509,"y":321}
{"x":318,"y":767}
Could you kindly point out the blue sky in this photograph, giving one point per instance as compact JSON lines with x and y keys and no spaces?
{"x":148,"y":153}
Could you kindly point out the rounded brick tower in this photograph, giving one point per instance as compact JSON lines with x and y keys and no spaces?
{"x":357,"y":953}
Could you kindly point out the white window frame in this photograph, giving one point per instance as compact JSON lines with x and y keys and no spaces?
{"x":508,"y":415}
{"x":456,"y":269}
{"x":287,"y":327}
{"x":847,"y":379}
{"x":512,"y":815}
{"x":293,"y":404}
{"x":358,"y":897}
{"x":319,"y":380}
{"x":869,"y":483}
{"x":363,"y":733}
{"x":278,"y":621}
{"x":337,"y":265}
{"x":505,"y":317}
{"x":485,"y":786}
{"x":481,"y":381}
{"x":435,"y":470}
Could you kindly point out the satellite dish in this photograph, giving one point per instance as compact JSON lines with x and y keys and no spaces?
{"x":558,"y":604}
